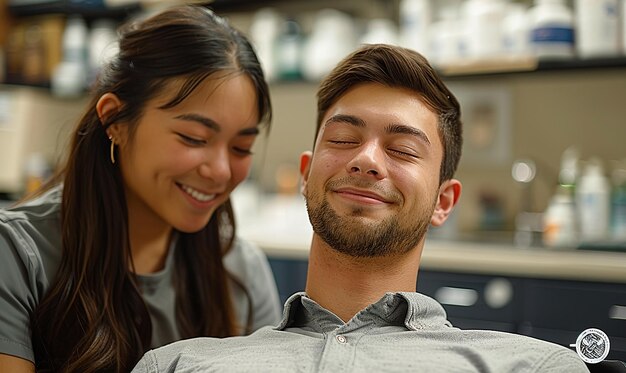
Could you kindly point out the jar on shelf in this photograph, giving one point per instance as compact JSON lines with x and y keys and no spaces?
{"x":552,"y":29}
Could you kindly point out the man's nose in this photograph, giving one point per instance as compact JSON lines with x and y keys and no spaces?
{"x":369,"y":160}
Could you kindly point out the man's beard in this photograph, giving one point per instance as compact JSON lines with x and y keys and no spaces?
{"x":349,"y":235}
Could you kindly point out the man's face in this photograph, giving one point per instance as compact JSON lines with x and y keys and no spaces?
{"x":372,"y":183}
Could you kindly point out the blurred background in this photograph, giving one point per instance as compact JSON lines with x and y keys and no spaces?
{"x":542,"y":84}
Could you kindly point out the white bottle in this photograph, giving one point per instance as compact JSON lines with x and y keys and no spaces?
{"x":264,"y":31}
{"x":380,"y":30}
{"x":70,"y":76}
{"x":103,"y":45}
{"x":552,"y":29}
{"x":483,"y":21}
{"x":447,"y":37}
{"x":623,"y":27}
{"x":515,"y":31}
{"x":593,"y":202}
{"x":597,"y":28}
{"x":559,"y":220}
{"x":415,"y":21}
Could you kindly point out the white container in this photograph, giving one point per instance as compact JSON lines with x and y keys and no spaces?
{"x":623,"y":27}
{"x":380,"y":31}
{"x":552,"y":29}
{"x":593,"y":202}
{"x":70,"y":76}
{"x":484,"y":21}
{"x":264,"y":31}
{"x":103,"y":45}
{"x":333,"y":36}
{"x":75,"y":38}
{"x":618,"y":203}
{"x":597,"y":28}
{"x":446,"y":38}
{"x":559,"y":220}
{"x":515,"y":31}
{"x":415,"y":21}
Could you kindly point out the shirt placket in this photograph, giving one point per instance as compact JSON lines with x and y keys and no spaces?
{"x":339,"y":351}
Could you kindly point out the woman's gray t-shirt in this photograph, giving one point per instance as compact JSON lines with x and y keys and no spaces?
{"x":30,"y":253}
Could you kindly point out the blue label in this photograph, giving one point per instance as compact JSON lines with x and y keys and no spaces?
{"x":553,"y":34}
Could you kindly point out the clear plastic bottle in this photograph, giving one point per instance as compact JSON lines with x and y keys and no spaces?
{"x":559,"y":220}
{"x":618,"y":203}
{"x":552,"y":29}
{"x":593,"y":196}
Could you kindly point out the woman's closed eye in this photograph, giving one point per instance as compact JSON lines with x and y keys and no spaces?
{"x":193,"y":141}
{"x":242,"y":151}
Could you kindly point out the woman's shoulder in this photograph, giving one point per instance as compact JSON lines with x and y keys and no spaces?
{"x":244,"y":254}
{"x":31,"y":231}
{"x":46,"y":206}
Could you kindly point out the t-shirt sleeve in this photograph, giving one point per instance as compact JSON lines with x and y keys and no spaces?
{"x":17,"y":298}
{"x":250,"y":265}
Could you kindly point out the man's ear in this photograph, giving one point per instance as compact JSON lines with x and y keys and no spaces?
{"x":449,"y":193}
{"x":305,"y":166}
{"x":108,"y":105}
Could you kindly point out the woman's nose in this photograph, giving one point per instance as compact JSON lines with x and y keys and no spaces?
{"x":216,"y":165}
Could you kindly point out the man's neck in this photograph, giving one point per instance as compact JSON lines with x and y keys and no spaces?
{"x":345,"y":285}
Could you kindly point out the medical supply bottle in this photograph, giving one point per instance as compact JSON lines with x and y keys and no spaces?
{"x":597,"y":28}
{"x":552,"y":29}
{"x":593,"y":201}
{"x":618,"y":204}
{"x":560,"y":221}
{"x":560,"y":228}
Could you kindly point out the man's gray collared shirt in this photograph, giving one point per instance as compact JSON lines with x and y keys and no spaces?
{"x":400,"y":332}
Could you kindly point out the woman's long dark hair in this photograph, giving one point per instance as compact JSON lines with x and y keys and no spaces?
{"x":93,"y":317}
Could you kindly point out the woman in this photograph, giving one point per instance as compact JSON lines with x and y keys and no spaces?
{"x":126,"y":248}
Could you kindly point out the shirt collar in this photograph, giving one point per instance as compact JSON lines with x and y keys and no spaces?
{"x":413,"y":310}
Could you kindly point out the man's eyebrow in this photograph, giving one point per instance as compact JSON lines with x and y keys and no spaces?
{"x":404,"y":129}
{"x":394,"y":128}
{"x":343,"y":118}
{"x":210,"y":123}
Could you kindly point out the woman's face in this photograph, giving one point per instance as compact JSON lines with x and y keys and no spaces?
{"x":181,"y":163}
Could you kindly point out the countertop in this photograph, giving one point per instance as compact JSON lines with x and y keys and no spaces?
{"x":483,"y":258}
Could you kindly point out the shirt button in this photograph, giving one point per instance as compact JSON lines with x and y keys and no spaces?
{"x":341,"y":339}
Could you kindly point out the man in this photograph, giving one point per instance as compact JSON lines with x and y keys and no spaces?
{"x":388,"y":143}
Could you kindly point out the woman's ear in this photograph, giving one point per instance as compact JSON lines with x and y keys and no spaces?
{"x":449,"y":193}
{"x":305,"y":166}
{"x":109,"y":104}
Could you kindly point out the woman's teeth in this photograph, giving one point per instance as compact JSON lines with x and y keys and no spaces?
{"x":197,"y":195}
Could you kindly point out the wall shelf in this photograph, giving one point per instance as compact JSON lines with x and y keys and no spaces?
{"x":87,"y":9}
{"x":528,"y":65}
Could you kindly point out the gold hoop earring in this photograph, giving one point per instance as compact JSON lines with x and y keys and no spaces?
{"x":112,"y":155}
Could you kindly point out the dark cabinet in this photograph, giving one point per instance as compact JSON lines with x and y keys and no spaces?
{"x":552,"y":310}
{"x":470,"y":302}
{"x":560,"y":310}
